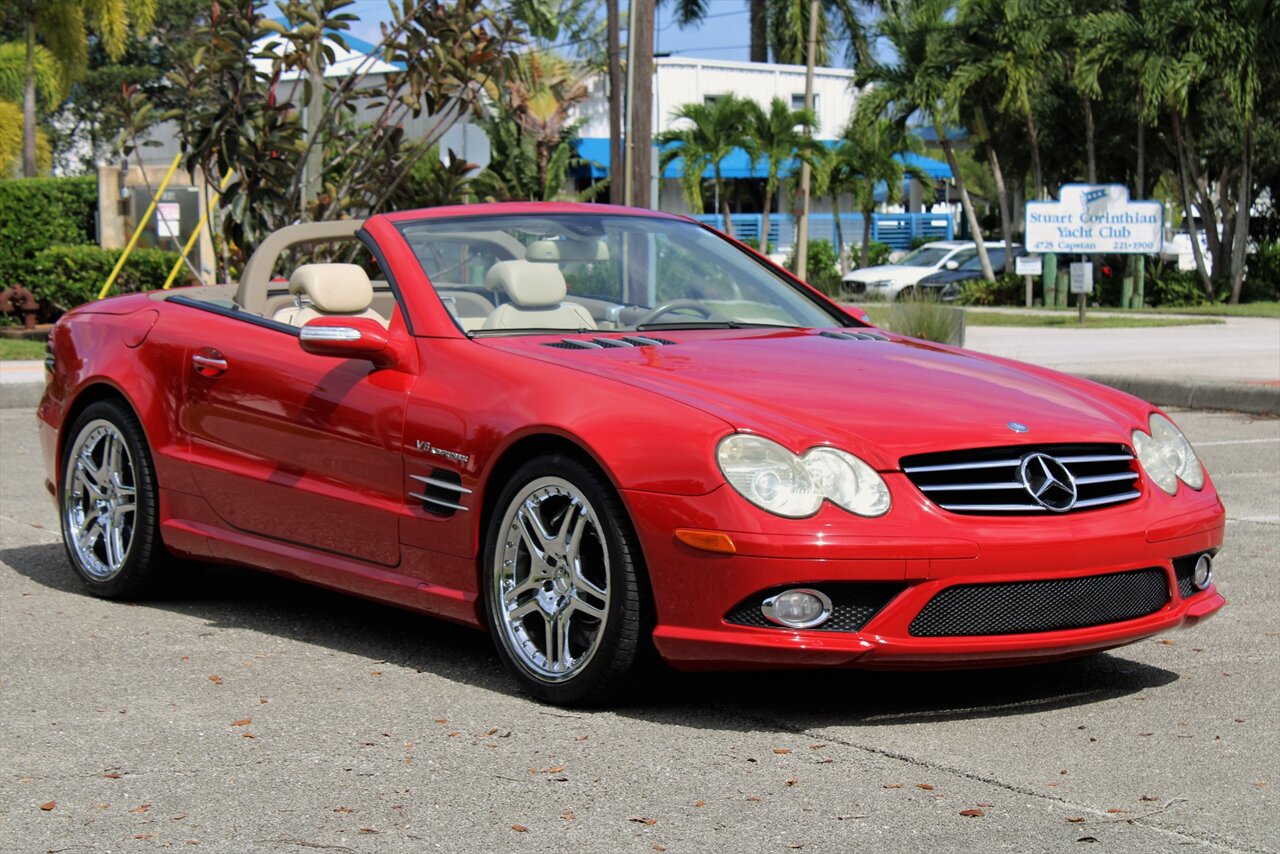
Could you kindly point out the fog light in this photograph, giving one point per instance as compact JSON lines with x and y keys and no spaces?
{"x":801,"y":608}
{"x":1203,"y":575}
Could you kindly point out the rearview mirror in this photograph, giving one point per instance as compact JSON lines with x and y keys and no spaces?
{"x":348,"y":338}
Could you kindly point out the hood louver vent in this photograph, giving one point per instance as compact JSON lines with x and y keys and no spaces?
{"x":608,"y":343}
{"x":855,"y":336}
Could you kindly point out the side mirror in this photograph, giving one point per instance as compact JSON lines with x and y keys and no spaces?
{"x":348,"y":338}
{"x":952,"y":265}
{"x":858,"y":314}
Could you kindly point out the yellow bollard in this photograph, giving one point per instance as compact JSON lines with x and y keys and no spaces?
{"x":137,"y":231}
{"x":195,"y":235}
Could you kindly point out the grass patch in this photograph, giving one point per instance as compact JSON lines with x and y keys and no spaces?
{"x":882,"y":314}
{"x":1248,"y":309}
{"x":20,"y":349}
{"x":1093,"y":320}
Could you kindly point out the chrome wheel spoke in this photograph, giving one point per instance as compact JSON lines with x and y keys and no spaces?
{"x":100,"y":500}
{"x":558,"y":538}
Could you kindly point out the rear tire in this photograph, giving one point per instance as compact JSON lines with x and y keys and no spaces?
{"x":562,"y":583}
{"x":108,"y":503}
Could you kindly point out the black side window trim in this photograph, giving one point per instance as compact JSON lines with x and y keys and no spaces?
{"x":369,"y":243}
{"x":235,"y":313}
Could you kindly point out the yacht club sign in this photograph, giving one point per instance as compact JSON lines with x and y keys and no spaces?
{"x":1094,"y":218}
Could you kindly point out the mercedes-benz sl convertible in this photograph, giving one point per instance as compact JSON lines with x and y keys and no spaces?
{"x":595,"y":431}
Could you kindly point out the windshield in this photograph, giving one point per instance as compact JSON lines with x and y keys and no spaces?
{"x":522,"y":273}
{"x":925,"y":256}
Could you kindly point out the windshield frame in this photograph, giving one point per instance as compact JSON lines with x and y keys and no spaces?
{"x":835,"y":314}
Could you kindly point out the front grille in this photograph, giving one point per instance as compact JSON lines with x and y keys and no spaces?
{"x":989,"y":480}
{"x":607,"y":343}
{"x":1022,"y":607}
{"x":852,"y":606}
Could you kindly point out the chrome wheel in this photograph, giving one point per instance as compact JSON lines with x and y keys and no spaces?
{"x":550,"y":591}
{"x":100,"y":499}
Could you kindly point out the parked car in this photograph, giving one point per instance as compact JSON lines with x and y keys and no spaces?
{"x":947,"y":284}
{"x":593,"y":430}
{"x":887,"y":281}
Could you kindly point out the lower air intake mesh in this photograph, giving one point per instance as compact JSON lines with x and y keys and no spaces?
{"x":1022,"y":607}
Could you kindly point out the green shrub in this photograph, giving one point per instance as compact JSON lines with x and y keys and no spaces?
{"x":1176,"y":288}
{"x":36,"y":213}
{"x":1009,"y":289}
{"x":1262,"y":280}
{"x":64,"y":277}
{"x":821,"y":271}
{"x":877,"y":253}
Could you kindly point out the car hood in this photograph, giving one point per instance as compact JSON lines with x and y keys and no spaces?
{"x":889,"y":273}
{"x":881,"y":399}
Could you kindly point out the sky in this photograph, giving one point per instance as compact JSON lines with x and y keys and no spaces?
{"x":725,"y":34}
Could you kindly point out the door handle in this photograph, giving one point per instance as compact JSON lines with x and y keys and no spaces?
{"x":209,"y":366}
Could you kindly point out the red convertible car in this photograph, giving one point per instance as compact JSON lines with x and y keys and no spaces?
{"x":596,"y":431}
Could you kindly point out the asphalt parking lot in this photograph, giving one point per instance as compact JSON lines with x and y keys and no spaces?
{"x":247,"y":713}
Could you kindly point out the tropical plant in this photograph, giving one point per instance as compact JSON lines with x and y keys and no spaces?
{"x":516,"y":172}
{"x":705,"y":134}
{"x":435,"y":181}
{"x":555,"y":24}
{"x":782,"y":27}
{"x":915,"y":82}
{"x":871,"y":154}
{"x":63,"y":27}
{"x":777,"y":137}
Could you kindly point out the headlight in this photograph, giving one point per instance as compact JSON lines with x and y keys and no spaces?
{"x":1167,"y":456}
{"x":776,"y":480}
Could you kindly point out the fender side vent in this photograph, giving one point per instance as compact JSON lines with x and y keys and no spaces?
{"x":444,"y":493}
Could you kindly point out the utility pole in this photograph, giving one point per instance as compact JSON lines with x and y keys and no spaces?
{"x":628,"y":155}
{"x":616,"y":165}
{"x":806,"y":176}
{"x":640,"y":106}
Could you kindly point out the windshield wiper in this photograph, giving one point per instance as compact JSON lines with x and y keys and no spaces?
{"x":711,"y":324}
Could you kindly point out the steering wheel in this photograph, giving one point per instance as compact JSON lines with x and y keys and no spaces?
{"x":676,"y":305}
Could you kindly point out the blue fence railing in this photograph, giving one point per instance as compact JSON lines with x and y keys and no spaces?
{"x":896,"y":230}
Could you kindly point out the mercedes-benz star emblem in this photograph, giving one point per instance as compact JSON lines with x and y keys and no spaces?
{"x":1049,"y":482}
{"x":1017,"y":427}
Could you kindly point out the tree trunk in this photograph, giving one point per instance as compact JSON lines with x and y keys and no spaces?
{"x":1033,"y":135}
{"x":841,"y":259}
{"x":759,"y":30}
{"x":866,"y":237}
{"x":615,"y":106}
{"x":29,"y":106}
{"x":642,"y":109}
{"x":1184,"y":182}
{"x":724,"y":201}
{"x":1006,"y":224}
{"x":1208,"y":213}
{"x":1140,"y":190}
{"x":965,"y":202}
{"x":764,"y":222}
{"x":1090,"y":144}
{"x":1243,"y":203}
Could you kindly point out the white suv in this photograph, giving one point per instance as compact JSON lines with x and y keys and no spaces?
{"x":887,"y":281}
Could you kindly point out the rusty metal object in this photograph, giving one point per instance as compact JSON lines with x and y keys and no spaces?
{"x":19,"y":300}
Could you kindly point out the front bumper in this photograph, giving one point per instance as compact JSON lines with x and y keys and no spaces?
{"x":695,"y":590}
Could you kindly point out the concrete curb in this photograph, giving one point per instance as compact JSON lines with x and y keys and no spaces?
{"x":1186,"y":394}
{"x":1193,"y":394}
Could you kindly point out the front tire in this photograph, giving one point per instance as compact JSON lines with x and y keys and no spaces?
{"x":108,"y":503}
{"x":562,"y":582}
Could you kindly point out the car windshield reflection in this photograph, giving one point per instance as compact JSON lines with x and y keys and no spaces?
{"x":518,"y":274}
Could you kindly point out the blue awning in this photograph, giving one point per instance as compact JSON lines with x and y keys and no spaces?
{"x":595,"y":150}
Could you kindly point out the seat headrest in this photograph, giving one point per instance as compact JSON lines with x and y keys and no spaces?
{"x":333,"y":288}
{"x":527,"y":285}
{"x":567,"y":250}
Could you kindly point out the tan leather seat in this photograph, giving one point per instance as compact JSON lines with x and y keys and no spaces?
{"x":329,"y":290}
{"x":535,"y":293}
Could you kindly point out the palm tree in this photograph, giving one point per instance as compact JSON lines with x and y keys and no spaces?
{"x":63,"y":26}
{"x":12,"y":80}
{"x":871,"y":154}
{"x":539,"y":94}
{"x":1010,"y":42}
{"x":780,"y":135}
{"x":708,"y":134}
{"x":916,"y":82}
{"x":782,"y":26}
